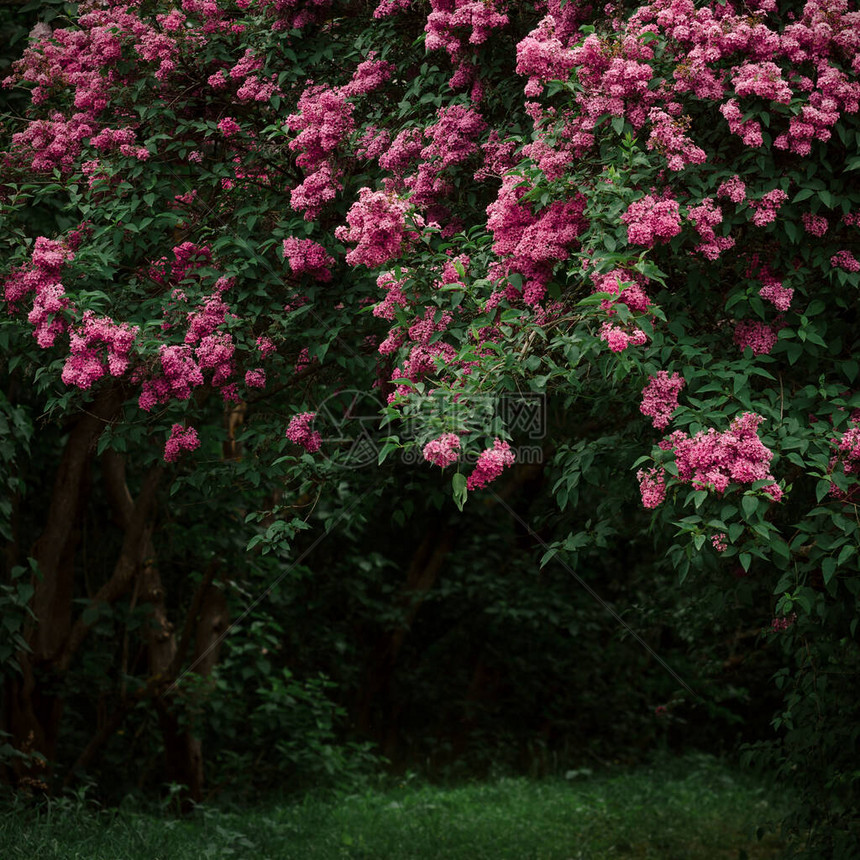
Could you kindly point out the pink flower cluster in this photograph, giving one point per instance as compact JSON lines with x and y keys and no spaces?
{"x":443,"y":451}
{"x":394,"y":296}
{"x":323,"y":120}
{"x":758,"y":336}
{"x":719,"y":542}
{"x":229,"y":127}
{"x":52,"y":143}
{"x":618,"y":338}
{"x":650,"y":221}
{"x":317,"y":189}
{"x":422,"y":359}
{"x":543,"y":57}
{"x":265,"y":346}
{"x":369,"y":76}
{"x":452,"y":139}
{"x":452,"y":25}
{"x":377,"y":224}
{"x":705,"y":217}
{"x":815,"y":225}
{"x":299,"y":432}
{"x":761,"y":79}
{"x":181,"y":439}
{"x":652,"y":486}
{"x":765,"y":209}
{"x":391,"y":7}
{"x":306,"y":257}
{"x":734,"y":189}
{"x":423,"y":329}
{"x":780,"y":625}
{"x":712,"y":460}
{"x":773,"y":291}
{"x":89,"y":340}
{"x":533,"y":244}
{"x":669,"y":137}
{"x":491,"y":463}
{"x":848,"y":457}
{"x":660,"y":397}
{"x":845,"y":260}
{"x":255,"y":378}
{"x":205,"y":319}
{"x":748,"y":130}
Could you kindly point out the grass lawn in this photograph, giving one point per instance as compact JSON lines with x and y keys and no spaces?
{"x":689,"y":808}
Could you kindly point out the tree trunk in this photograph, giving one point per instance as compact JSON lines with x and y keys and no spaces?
{"x":421,"y":576}
{"x":32,"y":708}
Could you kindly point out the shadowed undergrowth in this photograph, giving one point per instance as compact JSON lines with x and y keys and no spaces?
{"x":689,"y":808}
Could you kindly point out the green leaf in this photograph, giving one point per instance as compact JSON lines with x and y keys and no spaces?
{"x":458,"y":484}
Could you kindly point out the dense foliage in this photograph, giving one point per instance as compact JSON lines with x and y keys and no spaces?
{"x":278,"y":268}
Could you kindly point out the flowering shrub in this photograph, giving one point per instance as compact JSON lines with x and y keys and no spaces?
{"x":274,"y":202}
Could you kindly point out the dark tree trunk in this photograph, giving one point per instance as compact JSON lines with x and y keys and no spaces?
{"x":32,"y":705}
{"x":374,"y":695}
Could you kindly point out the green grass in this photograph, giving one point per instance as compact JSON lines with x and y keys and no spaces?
{"x":689,"y":808}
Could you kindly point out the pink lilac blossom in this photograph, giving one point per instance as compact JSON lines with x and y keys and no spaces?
{"x":845,"y":260}
{"x":625,"y":287}
{"x":323,"y":120}
{"x":848,"y":457}
{"x":765,"y":209}
{"x":50,"y":301}
{"x":377,"y":224}
{"x":543,"y":57}
{"x":660,"y":397}
{"x":773,"y":291}
{"x":423,"y":329}
{"x":652,"y":486}
{"x":780,"y":625}
{"x":748,"y":130}
{"x":719,"y":542}
{"x":705,"y":217}
{"x":265,"y":346}
{"x":452,"y":140}
{"x":300,"y":433}
{"x":405,"y":148}
{"x":449,"y":20}
{"x":761,"y":79}
{"x":669,"y":137}
{"x":734,"y":189}
{"x":713,"y":460}
{"x":181,"y":439}
{"x":373,"y":143}
{"x":228,"y":126}
{"x":491,"y":463}
{"x":180,"y":370}
{"x":306,"y":257}
{"x":422,"y":359}
{"x":443,"y":451}
{"x":255,"y":378}
{"x":205,"y":319}
{"x":650,"y":221}
{"x":394,"y":296}
{"x":758,"y":336}
{"x":369,"y":76}
{"x":317,"y":189}
{"x":391,"y":7}
{"x":815,"y":225}
{"x":215,"y":353}
{"x":618,"y":339}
